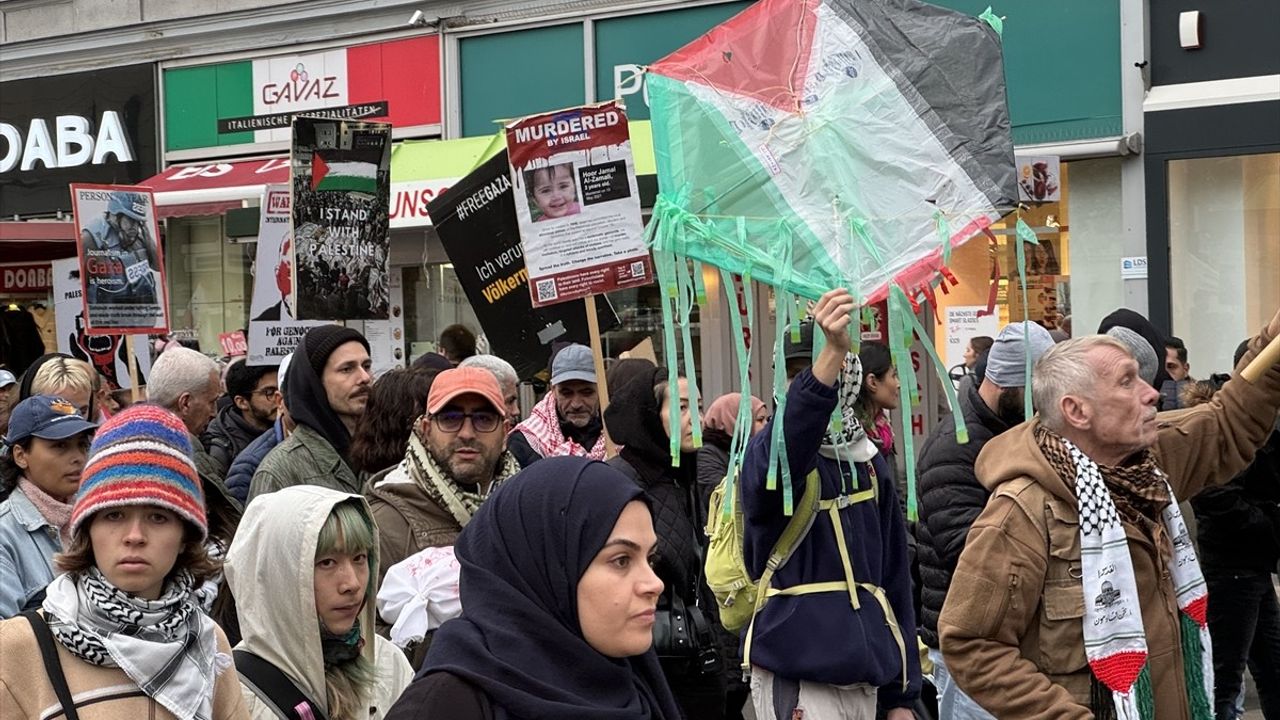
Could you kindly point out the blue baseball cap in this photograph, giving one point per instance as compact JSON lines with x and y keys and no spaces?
{"x":46,"y":417}
{"x":7,"y":379}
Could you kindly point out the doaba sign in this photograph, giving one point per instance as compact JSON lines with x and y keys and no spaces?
{"x":25,"y":278}
{"x":91,"y":127}
{"x":578,"y":203}
{"x":257,"y":100}
{"x":476,"y":223}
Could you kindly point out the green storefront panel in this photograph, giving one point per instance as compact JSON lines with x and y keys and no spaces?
{"x":194,"y":98}
{"x":510,"y":75}
{"x":1062,"y":67}
{"x":638,"y":40}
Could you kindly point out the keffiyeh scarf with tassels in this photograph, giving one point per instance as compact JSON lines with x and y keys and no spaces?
{"x":1114,"y":637}
{"x":167,"y":645}
{"x":442,"y":490}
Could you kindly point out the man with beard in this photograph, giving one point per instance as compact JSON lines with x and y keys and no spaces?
{"x":326,"y":394}
{"x":127,"y":255}
{"x":951,"y":497}
{"x":566,"y":421}
{"x":254,"y":395}
{"x":455,"y":459}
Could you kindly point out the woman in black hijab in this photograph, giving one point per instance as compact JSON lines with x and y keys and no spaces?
{"x":558,"y":598}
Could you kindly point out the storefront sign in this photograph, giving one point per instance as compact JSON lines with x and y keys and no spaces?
{"x":341,"y":189}
{"x":476,"y":223}
{"x":91,"y":127}
{"x":121,"y":265}
{"x":1133,"y":268}
{"x":107,"y":353}
{"x":255,"y":101}
{"x":409,"y":201}
{"x":578,"y":203}
{"x":25,"y":278}
{"x":274,"y":330}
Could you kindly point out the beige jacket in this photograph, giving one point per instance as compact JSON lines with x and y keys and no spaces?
{"x":1011,"y":628}
{"x":100,"y":693}
{"x":270,"y":570}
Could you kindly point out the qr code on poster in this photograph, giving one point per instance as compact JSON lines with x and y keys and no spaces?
{"x":547,"y":290}
{"x":637,"y":269}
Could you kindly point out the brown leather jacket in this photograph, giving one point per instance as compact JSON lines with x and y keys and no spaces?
{"x":1011,"y":628}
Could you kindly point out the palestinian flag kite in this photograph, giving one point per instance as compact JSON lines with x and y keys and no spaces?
{"x":344,"y":170}
{"x":817,"y":144}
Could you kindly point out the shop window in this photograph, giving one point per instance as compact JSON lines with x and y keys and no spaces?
{"x":433,"y":300}
{"x":210,"y":281}
{"x":1224,"y":247}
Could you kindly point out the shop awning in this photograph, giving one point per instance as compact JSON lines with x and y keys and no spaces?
{"x":37,"y":240}
{"x":213,"y":189}
{"x":420,"y":170}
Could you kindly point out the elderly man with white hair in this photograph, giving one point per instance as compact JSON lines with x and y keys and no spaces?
{"x":1078,"y":593}
{"x":507,"y":380}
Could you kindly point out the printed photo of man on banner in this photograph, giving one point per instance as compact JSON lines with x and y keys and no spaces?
{"x":108,"y":354}
{"x":121,"y":265}
{"x":341,"y":185}
{"x":578,"y":203}
{"x":274,"y":330}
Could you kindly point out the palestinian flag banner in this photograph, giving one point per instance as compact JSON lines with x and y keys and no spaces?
{"x":338,"y":170}
{"x":340,"y":193}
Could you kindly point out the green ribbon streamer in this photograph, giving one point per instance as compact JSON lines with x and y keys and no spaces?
{"x":1024,"y":234}
{"x":777,"y":444}
{"x":962,"y":432}
{"x":899,"y":341}
{"x":741,"y":429}
{"x":699,"y":285}
{"x":944,"y":234}
{"x":685,"y":307}
{"x":858,"y":227}
{"x":995,"y":21}
{"x":669,"y":292}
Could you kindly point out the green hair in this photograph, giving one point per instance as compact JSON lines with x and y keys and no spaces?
{"x":349,"y":530}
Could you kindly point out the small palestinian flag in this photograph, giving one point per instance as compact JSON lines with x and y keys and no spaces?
{"x":332,"y":171}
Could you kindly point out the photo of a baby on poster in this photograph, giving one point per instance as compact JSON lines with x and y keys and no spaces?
{"x":552,"y":191}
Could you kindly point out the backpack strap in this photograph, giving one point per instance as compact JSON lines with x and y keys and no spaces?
{"x":52,"y":665}
{"x":797,"y":527}
{"x":271,"y":684}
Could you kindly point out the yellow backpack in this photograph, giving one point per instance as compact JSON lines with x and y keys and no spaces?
{"x":739,"y":595}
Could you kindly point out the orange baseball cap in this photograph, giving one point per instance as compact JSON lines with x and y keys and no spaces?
{"x":450,"y":384}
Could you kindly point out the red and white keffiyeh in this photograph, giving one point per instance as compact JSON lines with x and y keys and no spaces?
{"x":542,"y":430}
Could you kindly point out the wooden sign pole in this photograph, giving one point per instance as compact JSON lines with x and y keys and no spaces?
{"x":602,"y":385}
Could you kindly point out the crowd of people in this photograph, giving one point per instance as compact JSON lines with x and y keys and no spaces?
{"x":467,"y":559}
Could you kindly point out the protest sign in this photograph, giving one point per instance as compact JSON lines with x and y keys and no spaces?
{"x":341,"y":173}
{"x":577,"y":203}
{"x":107,"y":354}
{"x":121,"y":266}
{"x":233,"y":344}
{"x":476,"y":222}
{"x":274,"y":330}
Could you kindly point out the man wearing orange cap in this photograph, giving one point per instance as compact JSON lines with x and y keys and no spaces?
{"x":456,"y":457}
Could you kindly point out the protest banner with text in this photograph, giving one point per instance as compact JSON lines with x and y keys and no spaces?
{"x":121,"y":265}
{"x":108,"y":354}
{"x":274,"y":330}
{"x":578,"y":203}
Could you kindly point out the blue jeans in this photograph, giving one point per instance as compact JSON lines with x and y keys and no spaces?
{"x":953,"y":704}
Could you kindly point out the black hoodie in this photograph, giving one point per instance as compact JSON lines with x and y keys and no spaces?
{"x":307,"y":400}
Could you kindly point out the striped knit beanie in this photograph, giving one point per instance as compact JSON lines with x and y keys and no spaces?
{"x":141,"y":456}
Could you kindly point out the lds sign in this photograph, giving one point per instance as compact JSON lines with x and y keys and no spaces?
{"x":73,"y":142}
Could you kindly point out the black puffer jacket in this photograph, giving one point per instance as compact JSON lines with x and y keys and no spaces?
{"x":1239,"y":523}
{"x":227,"y":435}
{"x":951,"y":498}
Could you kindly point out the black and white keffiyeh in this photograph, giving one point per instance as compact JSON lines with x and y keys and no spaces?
{"x":167,"y":646}
{"x":847,"y":440}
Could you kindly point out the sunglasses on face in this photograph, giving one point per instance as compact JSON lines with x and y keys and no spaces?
{"x":482,"y":421}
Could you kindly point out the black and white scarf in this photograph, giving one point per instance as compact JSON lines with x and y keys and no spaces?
{"x":845,"y":438}
{"x":167,"y":646}
{"x":442,"y":489}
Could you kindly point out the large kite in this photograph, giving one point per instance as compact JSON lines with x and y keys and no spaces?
{"x":816,"y":144}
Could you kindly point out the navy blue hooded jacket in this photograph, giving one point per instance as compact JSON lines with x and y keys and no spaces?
{"x":820,"y":637}
{"x":246,"y":463}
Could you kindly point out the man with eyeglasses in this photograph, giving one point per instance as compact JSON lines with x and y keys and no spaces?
{"x":456,"y":457}
{"x":255,"y":402}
